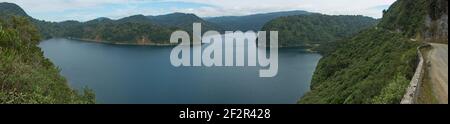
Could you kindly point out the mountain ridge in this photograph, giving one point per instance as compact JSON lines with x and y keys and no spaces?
{"x":376,"y":65}
{"x":146,"y":30}
{"x":316,"y":29}
{"x":250,"y":22}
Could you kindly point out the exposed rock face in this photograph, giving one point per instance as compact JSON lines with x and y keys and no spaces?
{"x":436,"y":22}
{"x":436,"y":30}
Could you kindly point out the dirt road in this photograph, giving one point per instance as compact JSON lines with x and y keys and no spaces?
{"x":438,"y":71}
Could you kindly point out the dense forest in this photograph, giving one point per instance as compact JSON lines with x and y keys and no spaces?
{"x":25,"y":75}
{"x":410,"y":16}
{"x":376,"y":65}
{"x":250,"y":22}
{"x":184,"y":21}
{"x":136,"y":29}
{"x":133,"y":30}
{"x":315,"y":29}
{"x":373,"y":67}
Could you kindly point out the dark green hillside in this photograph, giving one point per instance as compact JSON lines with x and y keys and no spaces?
{"x":135,"y":19}
{"x":183,"y":21}
{"x":25,"y":75}
{"x":10,"y":9}
{"x":308,"y":30}
{"x":137,"y":29}
{"x":406,"y":16}
{"x":250,"y":22}
{"x":376,"y":65}
{"x":373,"y":67}
{"x":127,"y":32}
{"x":418,"y":18}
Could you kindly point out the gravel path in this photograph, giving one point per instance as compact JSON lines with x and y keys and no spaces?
{"x":438,"y":58}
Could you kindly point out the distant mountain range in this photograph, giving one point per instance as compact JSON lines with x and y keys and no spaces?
{"x":313,"y":30}
{"x":148,"y":30}
{"x":250,"y":22}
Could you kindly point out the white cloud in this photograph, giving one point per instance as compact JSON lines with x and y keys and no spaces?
{"x":60,"y":5}
{"x":334,"y":7}
{"x":43,"y":8}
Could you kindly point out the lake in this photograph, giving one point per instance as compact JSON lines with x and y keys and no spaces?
{"x":121,"y":74}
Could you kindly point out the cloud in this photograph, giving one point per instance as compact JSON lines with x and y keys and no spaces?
{"x":334,"y":7}
{"x":58,"y":10}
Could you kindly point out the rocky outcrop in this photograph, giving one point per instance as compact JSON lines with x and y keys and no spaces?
{"x":436,"y":29}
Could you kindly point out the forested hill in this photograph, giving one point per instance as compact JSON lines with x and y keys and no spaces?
{"x":376,"y":65}
{"x":422,"y":19}
{"x":9,"y":9}
{"x":183,"y":21}
{"x":314,"y":29}
{"x":25,"y":75}
{"x":130,"y":30}
{"x":136,"y":29}
{"x":250,"y":22}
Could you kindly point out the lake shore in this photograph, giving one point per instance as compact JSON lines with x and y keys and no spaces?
{"x":309,"y":49}
{"x":121,"y":43}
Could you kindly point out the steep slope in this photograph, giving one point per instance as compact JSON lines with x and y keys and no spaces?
{"x":10,"y":9}
{"x":376,"y":65}
{"x":422,"y":19}
{"x":315,"y":29}
{"x":25,"y":75}
{"x":373,"y":67}
{"x":250,"y":22}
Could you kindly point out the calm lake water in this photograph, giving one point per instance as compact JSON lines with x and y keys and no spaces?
{"x":143,"y":74}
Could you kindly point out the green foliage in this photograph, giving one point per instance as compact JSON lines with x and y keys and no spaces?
{"x":132,"y":30}
{"x":313,"y":29}
{"x":250,"y":22}
{"x":10,"y":9}
{"x":408,"y":16}
{"x":26,"y":77}
{"x":393,"y":92}
{"x":373,"y":67}
{"x":376,"y":65}
{"x":183,"y":21}
{"x":128,"y":30}
{"x":135,"y":29}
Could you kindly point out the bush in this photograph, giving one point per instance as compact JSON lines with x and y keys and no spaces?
{"x":26,"y":76}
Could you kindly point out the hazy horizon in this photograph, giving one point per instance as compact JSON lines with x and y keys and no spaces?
{"x":84,"y":10}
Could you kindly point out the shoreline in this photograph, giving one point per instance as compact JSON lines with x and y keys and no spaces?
{"x":305,"y":48}
{"x":118,"y":43}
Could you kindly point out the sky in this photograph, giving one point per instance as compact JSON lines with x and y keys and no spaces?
{"x":84,"y":10}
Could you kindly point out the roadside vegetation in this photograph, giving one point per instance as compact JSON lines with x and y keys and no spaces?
{"x":376,"y":65}
{"x":373,"y":67}
{"x":26,"y":76}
